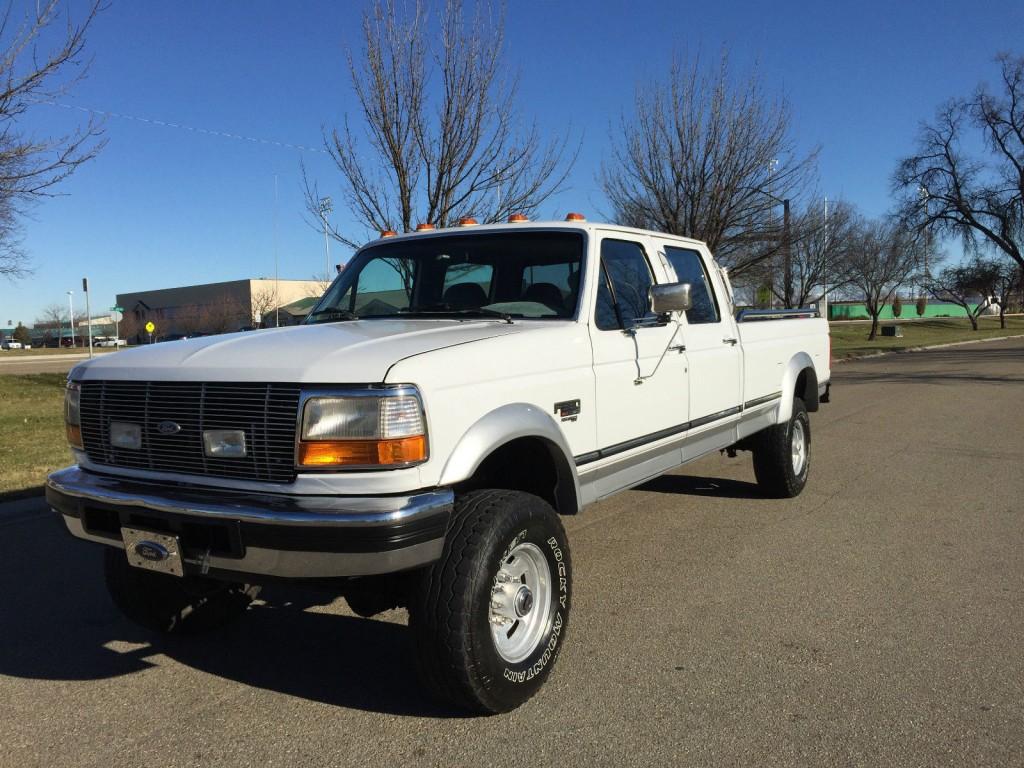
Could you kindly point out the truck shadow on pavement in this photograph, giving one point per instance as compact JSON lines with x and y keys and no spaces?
{"x":57,"y":623}
{"x":691,"y":485}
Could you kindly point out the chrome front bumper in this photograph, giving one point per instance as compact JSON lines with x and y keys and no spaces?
{"x":241,"y":533}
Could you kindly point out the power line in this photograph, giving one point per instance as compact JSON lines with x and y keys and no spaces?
{"x":183,"y":127}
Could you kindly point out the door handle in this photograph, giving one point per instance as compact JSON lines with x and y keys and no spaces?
{"x":680,"y":348}
{"x":730,"y":341}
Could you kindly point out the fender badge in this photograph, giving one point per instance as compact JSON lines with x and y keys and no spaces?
{"x":568,"y":410}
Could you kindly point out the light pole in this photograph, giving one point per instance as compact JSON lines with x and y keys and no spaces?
{"x":71,"y":319}
{"x":325,"y":208}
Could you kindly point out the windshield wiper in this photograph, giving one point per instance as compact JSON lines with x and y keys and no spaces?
{"x":474,"y":312}
{"x":329,"y":315}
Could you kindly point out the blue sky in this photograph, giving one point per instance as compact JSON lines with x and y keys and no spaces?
{"x":164,"y":206}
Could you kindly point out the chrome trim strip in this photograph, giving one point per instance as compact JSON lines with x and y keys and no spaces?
{"x":252,"y":507}
{"x":637,"y":442}
{"x":745,"y":315}
{"x":761,"y":400}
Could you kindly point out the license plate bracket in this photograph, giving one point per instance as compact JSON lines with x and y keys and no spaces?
{"x":152,"y":551}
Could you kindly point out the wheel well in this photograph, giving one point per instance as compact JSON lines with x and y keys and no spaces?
{"x":530,"y":464}
{"x":807,"y":388}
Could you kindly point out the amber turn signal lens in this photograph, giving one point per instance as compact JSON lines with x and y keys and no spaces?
{"x":74,"y":435}
{"x":363,"y":453}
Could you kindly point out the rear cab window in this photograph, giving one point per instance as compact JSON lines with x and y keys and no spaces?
{"x":689,"y":268}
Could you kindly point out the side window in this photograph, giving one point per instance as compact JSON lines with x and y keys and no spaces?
{"x":383,"y":287}
{"x":622,"y":286}
{"x":690,"y":269}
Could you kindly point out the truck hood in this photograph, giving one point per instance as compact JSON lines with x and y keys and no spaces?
{"x":350,"y":352}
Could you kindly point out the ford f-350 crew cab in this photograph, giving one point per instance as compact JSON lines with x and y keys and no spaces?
{"x":416,"y":439}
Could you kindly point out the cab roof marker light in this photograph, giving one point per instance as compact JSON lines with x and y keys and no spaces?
{"x":517,"y":218}
{"x":388,"y":233}
{"x":467,"y":221}
{"x":425,"y":226}
{"x":575,"y":217}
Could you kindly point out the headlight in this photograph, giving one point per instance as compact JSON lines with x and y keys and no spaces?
{"x":72,"y":415}
{"x":363,"y":429}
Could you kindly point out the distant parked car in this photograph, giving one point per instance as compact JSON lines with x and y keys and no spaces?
{"x":11,"y":344}
{"x":110,"y":341}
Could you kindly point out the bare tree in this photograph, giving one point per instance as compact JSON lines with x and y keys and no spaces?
{"x":441,"y":127}
{"x":820,"y":247}
{"x":1008,"y":283}
{"x":39,"y":61}
{"x":224,"y":315}
{"x":882,"y":256}
{"x":970,"y":286}
{"x":263,"y":301}
{"x":980,"y":199}
{"x":53,"y":315}
{"x":708,"y":157}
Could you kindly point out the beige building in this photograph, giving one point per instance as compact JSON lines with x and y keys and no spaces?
{"x":210,"y":308}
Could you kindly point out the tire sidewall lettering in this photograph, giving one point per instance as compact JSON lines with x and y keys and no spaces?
{"x":533,"y":668}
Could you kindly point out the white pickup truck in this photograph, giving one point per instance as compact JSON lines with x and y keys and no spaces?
{"x":451,"y":395}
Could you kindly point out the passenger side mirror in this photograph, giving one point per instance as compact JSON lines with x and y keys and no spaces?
{"x":670,"y":297}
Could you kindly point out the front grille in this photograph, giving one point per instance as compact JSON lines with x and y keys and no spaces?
{"x":266,"y":412}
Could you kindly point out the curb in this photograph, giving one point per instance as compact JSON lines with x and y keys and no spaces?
{"x":886,"y":353}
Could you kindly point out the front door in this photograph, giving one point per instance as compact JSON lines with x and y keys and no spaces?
{"x":641,"y":381}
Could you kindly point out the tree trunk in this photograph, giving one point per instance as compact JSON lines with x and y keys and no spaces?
{"x":874,"y":327}
{"x":1002,"y":313}
{"x":974,"y":319}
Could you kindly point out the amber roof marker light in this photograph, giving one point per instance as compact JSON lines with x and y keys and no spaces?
{"x":424,"y":227}
{"x":467,"y":221}
{"x":575,"y":217}
{"x":388,"y":233}
{"x":518,"y":218}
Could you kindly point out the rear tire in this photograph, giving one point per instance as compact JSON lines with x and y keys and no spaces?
{"x":172,"y":605}
{"x":782,"y":456}
{"x":489,"y":618}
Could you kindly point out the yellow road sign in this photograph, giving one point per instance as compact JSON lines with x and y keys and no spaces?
{"x":150,"y":327}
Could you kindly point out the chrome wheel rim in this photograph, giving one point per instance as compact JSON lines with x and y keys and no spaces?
{"x":799,"y":447}
{"x":520,"y":602}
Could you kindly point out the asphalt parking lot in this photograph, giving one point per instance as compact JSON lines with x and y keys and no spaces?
{"x":875,"y":620}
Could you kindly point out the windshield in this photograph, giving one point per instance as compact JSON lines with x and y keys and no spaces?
{"x":523,"y":274}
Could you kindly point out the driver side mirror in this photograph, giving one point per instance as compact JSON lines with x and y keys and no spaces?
{"x":670,"y":297}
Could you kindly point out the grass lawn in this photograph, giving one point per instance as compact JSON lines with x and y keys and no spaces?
{"x":851,"y":338}
{"x":32,"y":441}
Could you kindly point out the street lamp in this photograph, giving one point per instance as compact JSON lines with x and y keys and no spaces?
{"x":325,"y":208}
{"x":71,"y":318}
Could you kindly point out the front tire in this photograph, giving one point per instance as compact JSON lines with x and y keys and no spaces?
{"x":169,"y":604}
{"x":491,"y":615}
{"x":782,"y":457}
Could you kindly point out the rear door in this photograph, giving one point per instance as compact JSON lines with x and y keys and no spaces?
{"x":712,"y":344}
{"x":641,"y":383}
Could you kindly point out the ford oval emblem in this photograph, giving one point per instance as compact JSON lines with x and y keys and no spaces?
{"x":168,"y":428}
{"x":152,"y":551}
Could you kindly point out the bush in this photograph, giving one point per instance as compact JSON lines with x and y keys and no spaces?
{"x":922,"y":306}
{"x":897,"y":307}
